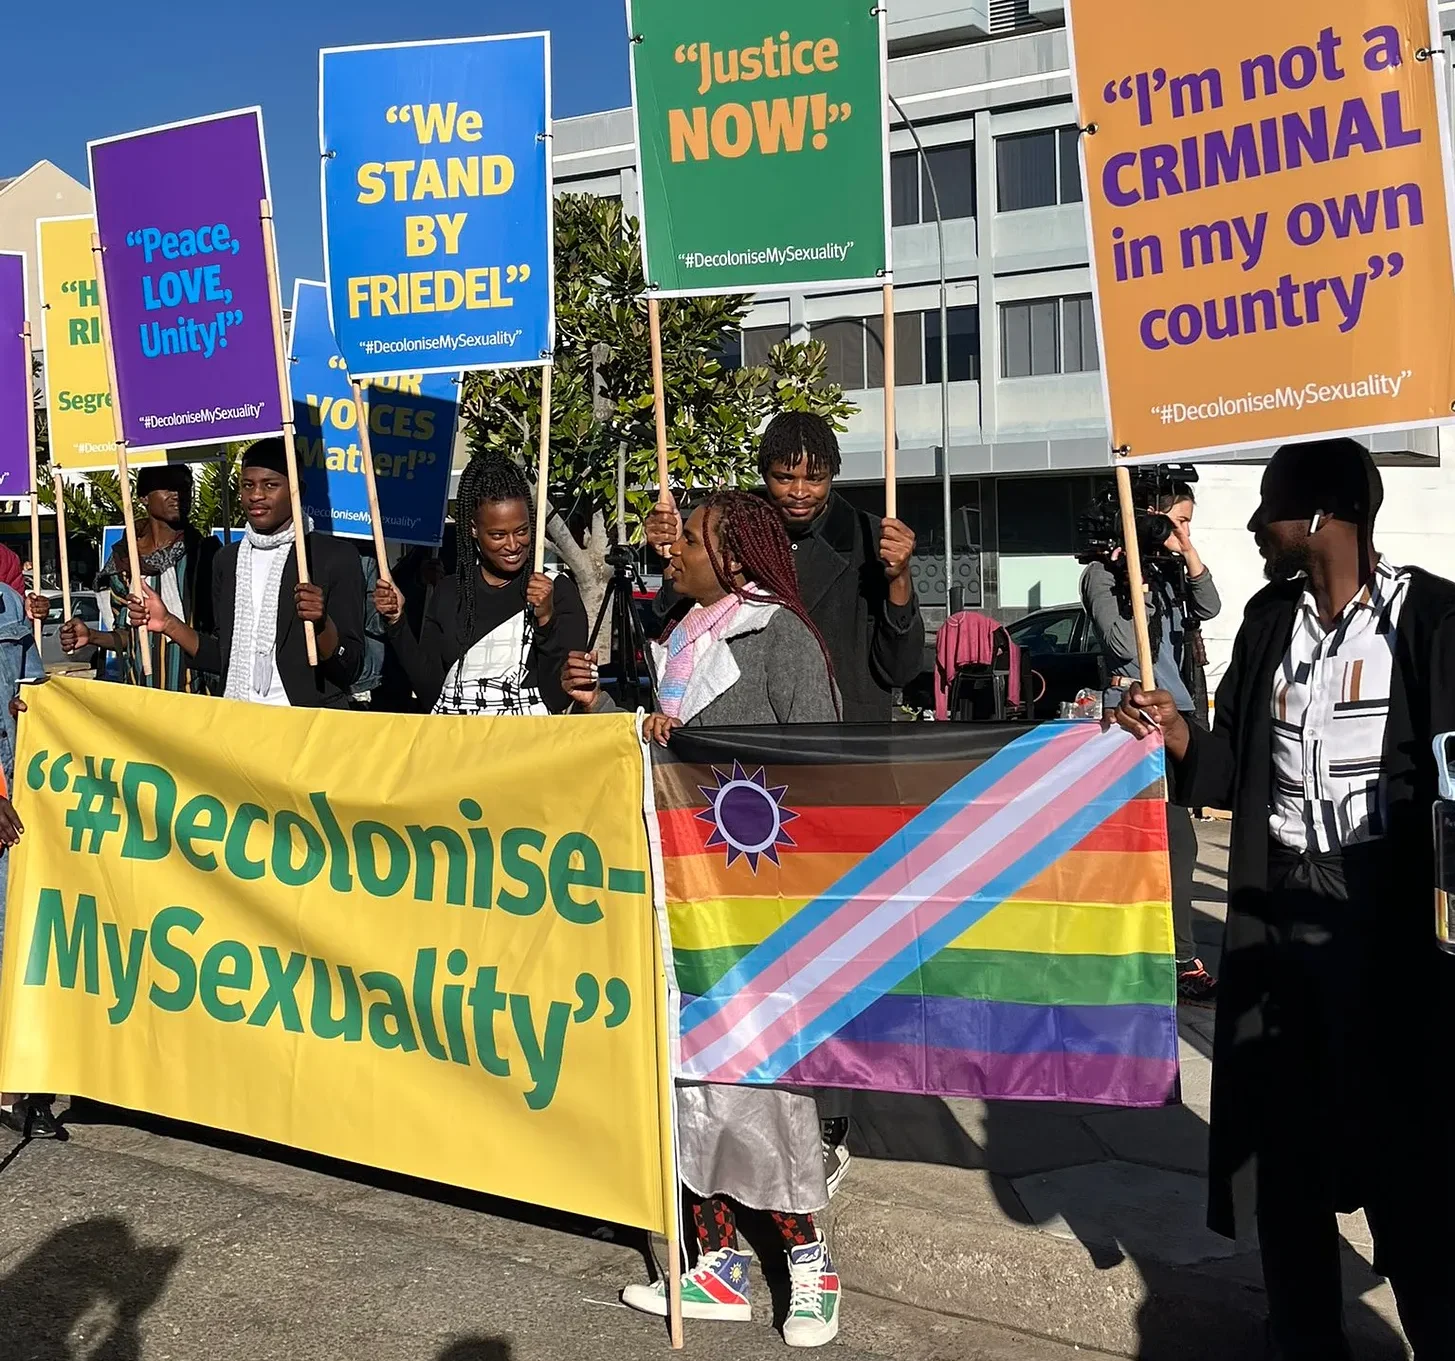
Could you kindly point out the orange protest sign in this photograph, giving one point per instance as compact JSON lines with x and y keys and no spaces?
{"x":1269,"y":204}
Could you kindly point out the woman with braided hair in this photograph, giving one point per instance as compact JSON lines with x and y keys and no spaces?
{"x":745,"y":653}
{"x":495,"y":634}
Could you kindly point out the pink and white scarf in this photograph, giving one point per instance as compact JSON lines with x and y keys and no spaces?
{"x":682,"y":649}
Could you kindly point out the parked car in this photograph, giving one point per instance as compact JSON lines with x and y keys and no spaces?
{"x":85,"y":606}
{"x":1064,"y":655}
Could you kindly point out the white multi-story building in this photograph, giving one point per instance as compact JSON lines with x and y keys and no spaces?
{"x":987,"y":86}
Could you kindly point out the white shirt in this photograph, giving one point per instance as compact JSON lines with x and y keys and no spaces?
{"x":492,"y":677}
{"x":1330,"y":710}
{"x":262,"y":563}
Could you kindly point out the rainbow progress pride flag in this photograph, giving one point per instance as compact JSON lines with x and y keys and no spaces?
{"x":952,"y":910}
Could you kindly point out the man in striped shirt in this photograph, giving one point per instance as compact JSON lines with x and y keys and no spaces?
{"x":1330,"y":1066}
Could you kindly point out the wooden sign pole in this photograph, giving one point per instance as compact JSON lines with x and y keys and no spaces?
{"x":34,"y":486}
{"x":123,"y":469}
{"x":891,"y":442}
{"x":659,"y":401}
{"x":543,"y":468}
{"x":60,"y":487}
{"x":285,"y":401}
{"x":666,"y":1129}
{"x":371,"y":484}
{"x":1134,"y":577}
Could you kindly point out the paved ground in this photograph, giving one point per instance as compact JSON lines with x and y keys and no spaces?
{"x":127,"y":1245}
{"x":967,"y":1231}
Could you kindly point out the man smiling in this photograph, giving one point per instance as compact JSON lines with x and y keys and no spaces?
{"x":261,"y":606}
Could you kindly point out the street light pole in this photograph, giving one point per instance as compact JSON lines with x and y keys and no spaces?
{"x":929,"y":176}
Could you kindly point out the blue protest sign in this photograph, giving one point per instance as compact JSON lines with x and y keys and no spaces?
{"x":437,"y":203}
{"x":411,"y":435}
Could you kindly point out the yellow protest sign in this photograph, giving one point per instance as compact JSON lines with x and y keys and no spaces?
{"x":77,"y":390}
{"x":1269,"y":201}
{"x":295,"y":924}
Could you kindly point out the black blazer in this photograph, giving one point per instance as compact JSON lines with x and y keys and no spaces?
{"x":1410,"y":999}
{"x":332,"y":564}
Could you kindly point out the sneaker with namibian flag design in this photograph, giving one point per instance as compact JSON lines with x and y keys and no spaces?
{"x":813,"y":1306}
{"x":716,"y":1288}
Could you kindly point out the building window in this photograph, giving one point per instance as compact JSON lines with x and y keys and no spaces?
{"x":1078,"y":333}
{"x":1037,"y":169}
{"x":856,"y":348}
{"x":1046,"y":336}
{"x":855,"y":351}
{"x":1037,"y":515}
{"x":750,"y":347}
{"x":964,"y":345}
{"x":911,"y":199}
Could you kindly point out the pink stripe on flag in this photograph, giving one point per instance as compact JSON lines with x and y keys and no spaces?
{"x":919,"y":858}
{"x":903,"y":933}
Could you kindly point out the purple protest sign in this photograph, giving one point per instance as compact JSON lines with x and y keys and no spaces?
{"x":17,"y":403}
{"x":186,"y":274}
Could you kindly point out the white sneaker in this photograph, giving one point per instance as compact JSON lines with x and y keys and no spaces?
{"x":716,"y":1288}
{"x":813,"y":1305}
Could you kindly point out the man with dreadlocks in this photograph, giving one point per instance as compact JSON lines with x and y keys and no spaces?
{"x":495,"y":635}
{"x":745,"y":653}
{"x":853,"y":568}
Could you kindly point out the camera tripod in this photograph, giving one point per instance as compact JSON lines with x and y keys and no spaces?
{"x":635,"y":683}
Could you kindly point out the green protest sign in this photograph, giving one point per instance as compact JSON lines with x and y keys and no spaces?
{"x":762,"y":143}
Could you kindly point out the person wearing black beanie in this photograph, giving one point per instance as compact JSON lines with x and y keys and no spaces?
{"x":176,"y":565}
{"x":1335,"y":1001}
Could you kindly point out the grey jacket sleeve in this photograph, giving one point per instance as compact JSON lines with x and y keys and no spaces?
{"x":1203,"y":601}
{"x":799,"y":687}
{"x":1098,"y":595}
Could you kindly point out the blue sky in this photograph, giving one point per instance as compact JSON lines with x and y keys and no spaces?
{"x":79,"y":69}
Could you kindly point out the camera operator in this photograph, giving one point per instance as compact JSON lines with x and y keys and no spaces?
{"x":1180,"y":594}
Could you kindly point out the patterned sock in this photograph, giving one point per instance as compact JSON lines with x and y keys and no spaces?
{"x":716,"y":1227}
{"x":797,"y":1230}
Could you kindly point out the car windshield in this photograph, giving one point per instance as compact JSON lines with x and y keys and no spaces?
{"x":1046,"y":631}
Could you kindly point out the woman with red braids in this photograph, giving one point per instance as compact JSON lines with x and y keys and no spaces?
{"x":744,"y":654}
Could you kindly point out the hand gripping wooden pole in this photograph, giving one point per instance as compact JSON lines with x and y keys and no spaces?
{"x":123,"y":469}
{"x":543,"y":469}
{"x":285,"y":404}
{"x":1134,"y":577}
{"x":371,"y":483}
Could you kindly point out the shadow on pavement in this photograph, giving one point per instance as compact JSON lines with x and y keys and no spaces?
{"x":85,"y":1112}
{"x":477,"y":1349}
{"x":91,"y":1283}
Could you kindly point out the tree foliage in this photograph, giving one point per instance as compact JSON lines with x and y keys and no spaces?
{"x":601,"y":405}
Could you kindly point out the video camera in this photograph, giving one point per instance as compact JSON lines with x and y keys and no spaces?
{"x":1099,"y":529}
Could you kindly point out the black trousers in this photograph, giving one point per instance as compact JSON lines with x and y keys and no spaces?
{"x":1333,"y":1136}
{"x":1182,"y":852}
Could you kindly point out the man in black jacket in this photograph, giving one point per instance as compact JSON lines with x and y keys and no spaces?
{"x":260,"y":606}
{"x":1335,"y":1004}
{"x":853,"y":567}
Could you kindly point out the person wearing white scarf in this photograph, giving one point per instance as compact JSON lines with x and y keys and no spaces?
{"x":259,"y":662}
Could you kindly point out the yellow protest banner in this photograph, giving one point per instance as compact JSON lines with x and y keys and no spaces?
{"x":77,"y":390}
{"x":296,"y":924}
{"x":1269,"y":202}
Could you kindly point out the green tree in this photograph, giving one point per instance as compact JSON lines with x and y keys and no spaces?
{"x":602,"y":417}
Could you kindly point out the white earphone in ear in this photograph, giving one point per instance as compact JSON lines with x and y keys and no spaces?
{"x":1318,"y":520}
